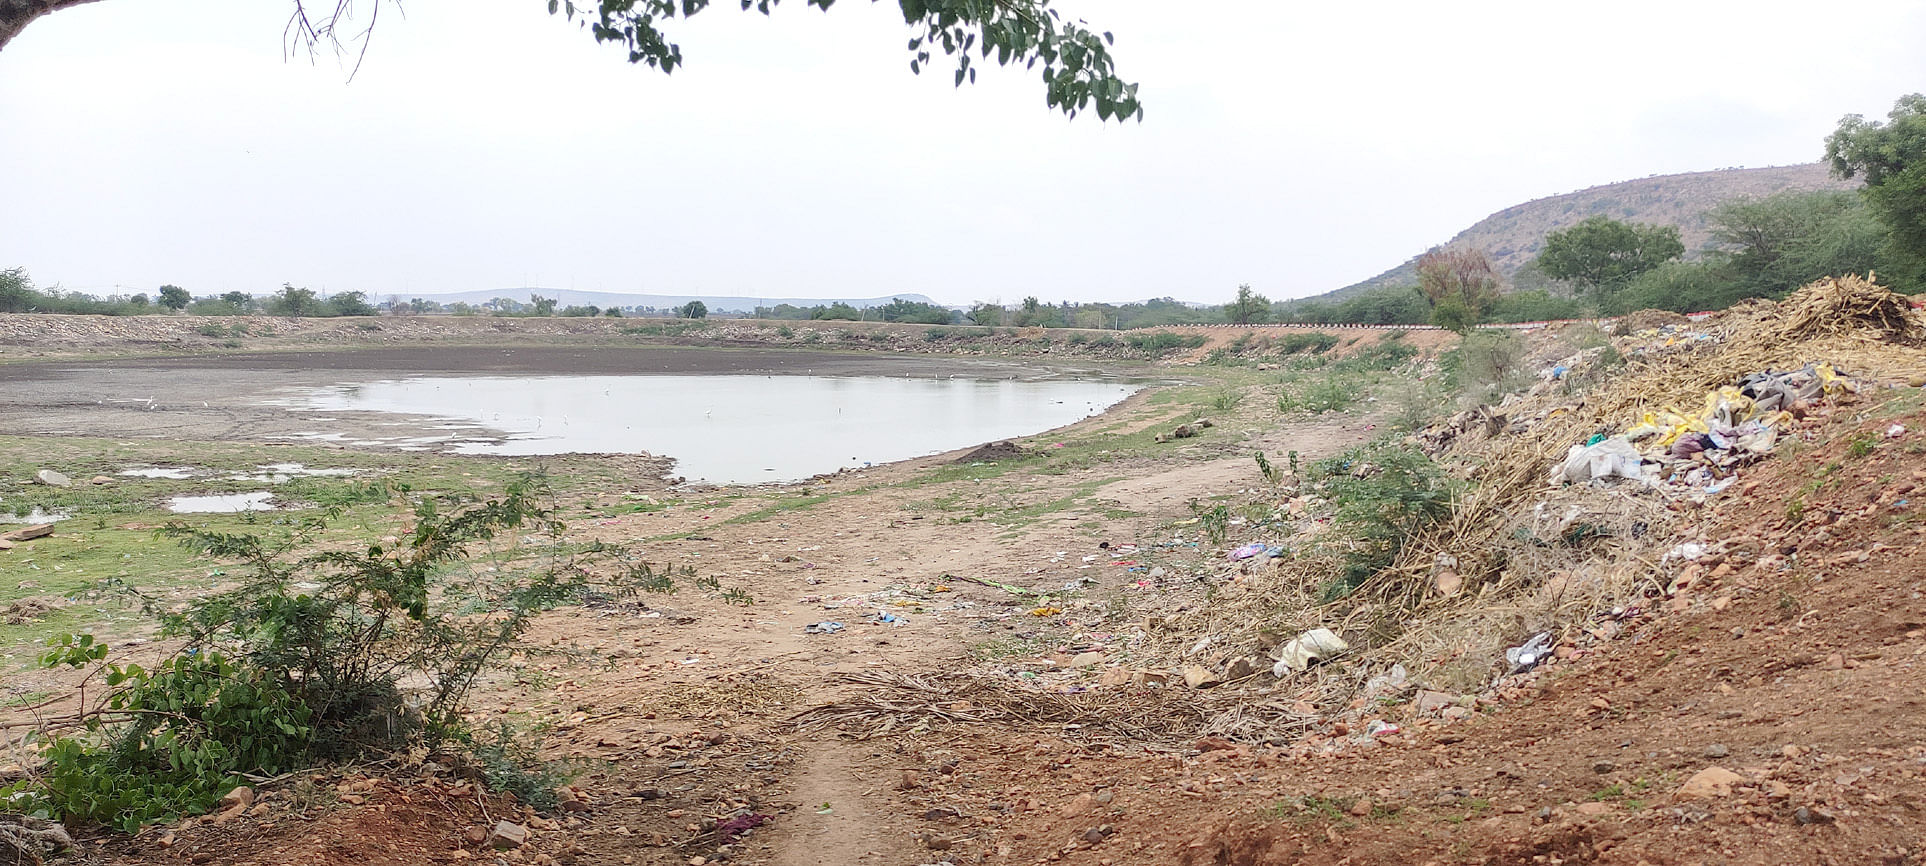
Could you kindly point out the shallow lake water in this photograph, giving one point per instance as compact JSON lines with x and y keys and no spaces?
{"x":725,"y":429}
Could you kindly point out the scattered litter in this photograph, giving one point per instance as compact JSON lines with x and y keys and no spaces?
{"x":1388,"y":683}
{"x":1690,"y":551}
{"x":1381,"y":728}
{"x":1013,"y":590}
{"x":824,"y":627}
{"x":1315,"y":645}
{"x":1527,"y":656}
{"x":1249,"y":550}
{"x":740,"y":824}
{"x":1605,"y":459}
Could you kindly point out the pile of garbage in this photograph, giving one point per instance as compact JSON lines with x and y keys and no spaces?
{"x":1697,"y":453}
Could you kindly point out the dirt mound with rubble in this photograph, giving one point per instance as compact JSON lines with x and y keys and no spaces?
{"x":993,"y":452}
{"x":1762,"y":712}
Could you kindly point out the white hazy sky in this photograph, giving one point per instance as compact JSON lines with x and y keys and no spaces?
{"x":1294,"y":146}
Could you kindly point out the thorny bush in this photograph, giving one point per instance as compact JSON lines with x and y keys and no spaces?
{"x":316,"y":656}
{"x":1385,"y":492}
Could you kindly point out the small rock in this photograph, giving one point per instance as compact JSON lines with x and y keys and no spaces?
{"x":475,"y":835}
{"x":1711,"y":783}
{"x":241,"y":796}
{"x":1805,"y":815}
{"x":100,"y":479}
{"x":1603,"y":767}
{"x":1199,"y":677}
{"x":1429,"y":701}
{"x":1361,"y":808}
{"x":1242,"y":668}
{"x":52,"y":478}
{"x":1093,"y":835}
{"x":936,"y":843}
{"x":1717,"y":750}
{"x":1082,"y":804}
{"x":1592,"y":808}
{"x":507,"y":834}
{"x":1084,"y":660}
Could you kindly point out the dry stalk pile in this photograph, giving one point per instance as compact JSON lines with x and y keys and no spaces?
{"x":1852,"y":308}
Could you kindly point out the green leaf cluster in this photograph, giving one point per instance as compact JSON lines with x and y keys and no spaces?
{"x":1078,"y":71}
{"x":1891,"y":157}
{"x":167,"y":742}
{"x":1385,"y":492}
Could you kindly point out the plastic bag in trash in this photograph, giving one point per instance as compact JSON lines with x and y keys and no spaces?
{"x":1527,"y":656}
{"x":824,"y":627}
{"x":1249,"y":550}
{"x":1388,"y":683}
{"x":1614,"y":456}
{"x":1315,"y":645}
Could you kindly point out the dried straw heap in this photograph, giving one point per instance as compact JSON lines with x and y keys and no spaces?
{"x":1851,"y":308}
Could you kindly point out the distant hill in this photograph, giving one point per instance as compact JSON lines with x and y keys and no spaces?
{"x":571,"y":297}
{"x":1514,"y":236}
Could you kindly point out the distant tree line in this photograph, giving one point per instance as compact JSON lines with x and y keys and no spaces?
{"x":18,"y":294}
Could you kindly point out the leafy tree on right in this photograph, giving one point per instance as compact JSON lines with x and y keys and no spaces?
{"x":1891,"y":157}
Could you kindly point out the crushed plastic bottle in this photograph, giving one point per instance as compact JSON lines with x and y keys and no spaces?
{"x":1527,"y":656}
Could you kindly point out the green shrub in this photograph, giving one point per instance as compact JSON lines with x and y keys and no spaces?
{"x":1315,"y":342}
{"x":167,"y":742}
{"x":1225,"y":399}
{"x":305,"y":657}
{"x":1331,"y":392}
{"x":1385,"y":492}
{"x":1385,"y":354}
{"x":510,"y":762}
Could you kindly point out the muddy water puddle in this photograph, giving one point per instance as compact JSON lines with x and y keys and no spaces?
{"x":229,"y":503}
{"x":724,"y":429}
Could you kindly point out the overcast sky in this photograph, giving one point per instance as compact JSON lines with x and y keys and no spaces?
{"x":1297,"y":147}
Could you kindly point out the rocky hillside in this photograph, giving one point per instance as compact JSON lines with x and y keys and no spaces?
{"x":1513,"y":236}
